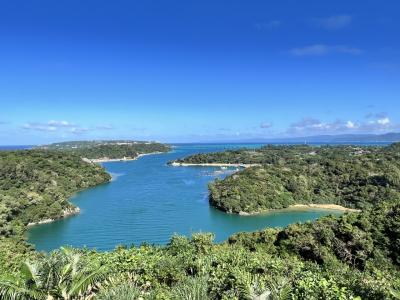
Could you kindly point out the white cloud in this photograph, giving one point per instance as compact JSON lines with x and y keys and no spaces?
{"x":321,"y":49}
{"x":266,"y":125}
{"x":79,"y":130}
{"x":63,"y":127}
{"x":59,"y":123}
{"x":383,"y":121}
{"x":308,"y":126}
{"x":350,"y":125}
{"x":51,"y":125}
{"x":334,"y":22}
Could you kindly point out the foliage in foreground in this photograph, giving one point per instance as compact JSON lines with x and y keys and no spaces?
{"x":349,"y":257}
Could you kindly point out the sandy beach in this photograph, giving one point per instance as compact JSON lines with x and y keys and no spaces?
{"x":106,"y":159}
{"x":303,"y":207}
{"x":177,"y":164}
{"x":325,"y":206}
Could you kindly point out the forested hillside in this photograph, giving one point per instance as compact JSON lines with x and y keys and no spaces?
{"x":108,"y":149}
{"x":36,"y":184}
{"x":355,"y":256}
{"x":354,"y":177}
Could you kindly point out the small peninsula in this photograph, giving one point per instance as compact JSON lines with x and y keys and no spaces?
{"x":36,"y":184}
{"x":109,"y":150}
{"x":353,"y":177}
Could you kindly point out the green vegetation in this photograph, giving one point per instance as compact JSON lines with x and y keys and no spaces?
{"x":354,"y":256}
{"x":354,"y":177}
{"x":349,"y":257}
{"x":108,"y":149}
{"x":35,"y":185}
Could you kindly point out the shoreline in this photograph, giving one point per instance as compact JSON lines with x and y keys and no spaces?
{"x":178,"y":164}
{"x":66,"y":213}
{"x":325,"y":206}
{"x":106,"y":159}
{"x":76,"y":210}
{"x":302,"y":207}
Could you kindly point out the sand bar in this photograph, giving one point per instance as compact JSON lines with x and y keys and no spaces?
{"x":178,"y":164}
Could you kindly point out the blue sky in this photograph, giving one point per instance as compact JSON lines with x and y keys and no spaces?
{"x":180,"y":71}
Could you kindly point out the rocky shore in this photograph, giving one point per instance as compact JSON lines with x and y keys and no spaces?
{"x":66,"y":213}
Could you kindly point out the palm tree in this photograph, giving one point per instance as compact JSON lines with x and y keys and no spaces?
{"x":14,"y":289}
{"x":61,"y":275}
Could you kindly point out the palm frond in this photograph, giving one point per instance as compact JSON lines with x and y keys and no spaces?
{"x":279,"y":288}
{"x":31,"y":272}
{"x":73,"y":259}
{"x":16,"y":291}
{"x":83,"y":283}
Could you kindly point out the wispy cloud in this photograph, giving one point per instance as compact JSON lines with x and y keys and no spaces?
{"x":379,"y":115}
{"x":51,"y":125}
{"x":308,"y":125}
{"x":321,"y":49}
{"x":224,"y":129}
{"x":60,"y":123}
{"x":334,"y":22}
{"x":268,"y":25}
{"x":266,"y":125}
{"x":64,"y":127}
{"x":105,"y":127}
{"x":79,"y":130}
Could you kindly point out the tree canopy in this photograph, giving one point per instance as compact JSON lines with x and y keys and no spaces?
{"x":354,"y":177}
{"x":353,"y":256}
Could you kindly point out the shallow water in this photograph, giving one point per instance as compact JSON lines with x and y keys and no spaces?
{"x":148,"y":201}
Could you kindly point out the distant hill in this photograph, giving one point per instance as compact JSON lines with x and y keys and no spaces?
{"x":105,"y":150}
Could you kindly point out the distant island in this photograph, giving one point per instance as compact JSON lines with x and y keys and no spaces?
{"x":283,"y":176}
{"x":108,"y":150}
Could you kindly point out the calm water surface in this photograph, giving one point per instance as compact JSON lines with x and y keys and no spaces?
{"x":148,"y":201}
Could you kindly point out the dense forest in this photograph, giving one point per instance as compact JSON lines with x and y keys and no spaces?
{"x":354,"y":177}
{"x":108,"y":149}
{"x":354,"y":256}
{"x":35,"y":185}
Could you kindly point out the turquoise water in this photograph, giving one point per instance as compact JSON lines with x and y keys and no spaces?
{"x":148,"y":201}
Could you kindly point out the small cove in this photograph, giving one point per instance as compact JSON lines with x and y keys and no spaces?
{"x":148,"y":201}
